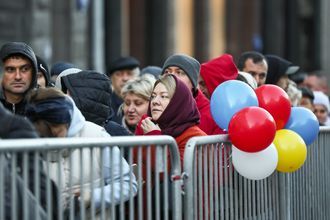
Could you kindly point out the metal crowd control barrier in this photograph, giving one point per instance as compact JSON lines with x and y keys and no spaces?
{"x":214,"y":190}
{"x":153,"y":169}
{"x":309,"y":187}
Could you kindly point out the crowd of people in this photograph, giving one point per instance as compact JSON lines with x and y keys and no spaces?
{"x":174,"y":100}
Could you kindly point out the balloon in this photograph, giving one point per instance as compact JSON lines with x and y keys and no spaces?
{"x":252,"y":129}
{"x":228,"y":98}
{"x":304,"y":122}
{"x":275,"y":100}
{"x":255,"y":166}
{"x":292,"y":151}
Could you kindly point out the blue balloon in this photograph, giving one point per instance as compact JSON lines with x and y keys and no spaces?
{"x":229,"y":98}
{"x":304,"y":122}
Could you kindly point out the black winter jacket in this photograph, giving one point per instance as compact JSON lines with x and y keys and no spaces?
{"x":14,"y":127}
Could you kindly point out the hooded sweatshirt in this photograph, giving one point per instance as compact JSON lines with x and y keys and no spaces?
{"x":43,"y":68}
{"x":21,"y":48}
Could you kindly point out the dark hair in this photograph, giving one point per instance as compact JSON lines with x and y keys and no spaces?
{"x":241,"y":78}
{"x":306,"y":92}
{"x":254,"y":55}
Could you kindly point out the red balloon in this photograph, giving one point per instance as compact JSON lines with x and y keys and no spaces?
{"x":252,"y":129}
{"x":276,"y":101}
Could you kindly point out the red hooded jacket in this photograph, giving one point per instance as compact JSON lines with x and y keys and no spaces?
{"x":217,"y":71}
{"x":207,"y":124}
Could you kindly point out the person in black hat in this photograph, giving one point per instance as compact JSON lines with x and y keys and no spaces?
{"x":43,"y":75}
{"x":279,"y":70}
{"x":120,"y":71}
{"x":19,"y":75}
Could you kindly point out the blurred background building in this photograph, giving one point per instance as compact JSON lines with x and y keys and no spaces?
{"x":92,"y":33}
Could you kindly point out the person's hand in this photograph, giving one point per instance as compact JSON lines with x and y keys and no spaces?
{"x":87,"y":197}
{"x":147,"y":125}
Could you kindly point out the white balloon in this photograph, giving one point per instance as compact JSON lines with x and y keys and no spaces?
{"x":255,"y":166}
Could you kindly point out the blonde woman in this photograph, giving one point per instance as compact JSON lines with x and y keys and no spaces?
{"x":136,"y":94}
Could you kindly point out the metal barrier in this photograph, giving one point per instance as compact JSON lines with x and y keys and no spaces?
{"x":214,"y":190}
{"x":27,"y":192}
{"x":309,"y":187}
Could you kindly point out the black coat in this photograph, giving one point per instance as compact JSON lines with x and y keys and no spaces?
{"x":14,"y":127}
{"x":18,"y":108}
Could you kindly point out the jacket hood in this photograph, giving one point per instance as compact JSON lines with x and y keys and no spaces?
{"x":58,"y":82}
{"x":43,"y":67}
{"x":77,"y":122}
{"x":22,"y":48}
{"x":217,"y":71}
{"x":91,"y":91}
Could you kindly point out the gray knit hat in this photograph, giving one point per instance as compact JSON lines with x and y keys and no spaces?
{"x":187,"y":63}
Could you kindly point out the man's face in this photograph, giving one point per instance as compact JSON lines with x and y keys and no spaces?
{"x":307,"y":103}
{"x":313,"y":83}
{"x":119,"y":79}
{"x":180,"y":74}
{"x":202,"y":87}
{"x":257,"y":70}
{"x":17,"y":76}
{"x":41,"y":80}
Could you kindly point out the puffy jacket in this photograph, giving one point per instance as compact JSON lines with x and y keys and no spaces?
{"x":91,"y":92}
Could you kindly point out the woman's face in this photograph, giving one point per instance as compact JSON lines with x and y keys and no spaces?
{"x":321,"y":113}
{"x":134,"y":107}
{"x":159,"y":101}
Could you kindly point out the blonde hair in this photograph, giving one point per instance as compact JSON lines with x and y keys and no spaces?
{"x":169,"y":82}
{"x":141,"y":86}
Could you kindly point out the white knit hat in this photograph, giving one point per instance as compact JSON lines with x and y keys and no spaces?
{"x":321,"y":99}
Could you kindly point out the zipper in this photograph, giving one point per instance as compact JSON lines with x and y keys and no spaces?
{"x":14,"y":108}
